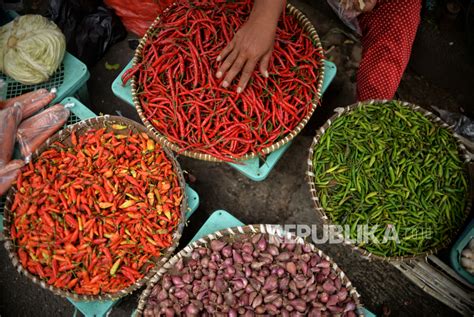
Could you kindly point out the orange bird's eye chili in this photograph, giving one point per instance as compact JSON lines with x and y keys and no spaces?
{"x":80,"y":212}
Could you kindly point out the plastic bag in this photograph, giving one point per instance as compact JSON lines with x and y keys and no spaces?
{"x":33,"y":132}
{"x":89,"y":27}
{"x":8,"y":174}
{"x":137,"y":18}
{"x":9,"y":120}
{"x":460,"y":123}
{"x":31,"y":102}
{"x":348,"y":16}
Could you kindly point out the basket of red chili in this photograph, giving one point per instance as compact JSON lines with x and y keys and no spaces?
{"x":178,"y":97}
{"x":97,"y":210}
{"x":255,"y":270}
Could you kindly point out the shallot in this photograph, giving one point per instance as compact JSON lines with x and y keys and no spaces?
{"x":250,"y":275}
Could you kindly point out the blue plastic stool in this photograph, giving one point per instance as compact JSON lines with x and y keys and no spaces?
{"x":221,"y":219}
{"x":254,"y":168}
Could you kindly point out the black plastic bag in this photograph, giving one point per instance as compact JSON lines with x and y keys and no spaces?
{"x":460,"y":123}
{"x":89,"y":27}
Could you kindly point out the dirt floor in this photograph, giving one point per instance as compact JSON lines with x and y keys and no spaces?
{"x":284,"y":196}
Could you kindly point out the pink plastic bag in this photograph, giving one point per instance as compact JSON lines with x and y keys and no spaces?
{"x":347,"y":15}
{"x":138,"y":16}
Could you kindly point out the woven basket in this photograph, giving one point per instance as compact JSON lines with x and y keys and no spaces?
{"x":320,"y":211}
{"x":270,"y":230}
{"x":307,"y":27}
{"x":63,"y":137}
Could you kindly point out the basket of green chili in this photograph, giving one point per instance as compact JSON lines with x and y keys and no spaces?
{"x":393,"y":171}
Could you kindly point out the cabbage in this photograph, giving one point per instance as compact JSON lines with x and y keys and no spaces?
{"x":31,"y":49}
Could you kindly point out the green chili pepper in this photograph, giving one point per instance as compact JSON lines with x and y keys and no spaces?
{"x":386,"y":164}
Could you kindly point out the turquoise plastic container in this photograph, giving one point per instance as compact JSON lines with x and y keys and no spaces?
{"x":71,"y":77}
{"x":458,"y":247}
{"x":256,"y":169}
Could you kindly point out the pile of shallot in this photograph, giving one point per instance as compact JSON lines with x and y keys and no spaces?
{"x":250,"y":275}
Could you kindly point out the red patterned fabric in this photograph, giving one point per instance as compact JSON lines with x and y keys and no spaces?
{"x":388,"y":32}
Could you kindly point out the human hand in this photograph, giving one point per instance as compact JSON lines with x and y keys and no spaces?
{"x":252,"y":44}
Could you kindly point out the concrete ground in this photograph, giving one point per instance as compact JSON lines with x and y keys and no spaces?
{"x":284,"y":196}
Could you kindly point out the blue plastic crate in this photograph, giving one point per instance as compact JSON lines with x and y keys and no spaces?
{"x":458,"y":247}
{"x":256,"y":169}
{"x":221,"y":219}
{"x":71,"y":77}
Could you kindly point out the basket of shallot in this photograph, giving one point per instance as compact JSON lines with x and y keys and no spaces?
{"x":247,"y":271}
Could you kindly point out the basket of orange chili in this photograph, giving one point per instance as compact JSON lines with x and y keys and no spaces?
{"x":178,"y":97}
{"x":98,"y":209}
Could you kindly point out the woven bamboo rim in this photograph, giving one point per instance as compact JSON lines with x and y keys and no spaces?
{"x":307,"y":26}
{"x":270,"y":230}
{"x":63,"y":137}
{"x":322,"y":214}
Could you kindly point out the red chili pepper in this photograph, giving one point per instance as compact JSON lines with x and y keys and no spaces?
{"x":183,"y":100}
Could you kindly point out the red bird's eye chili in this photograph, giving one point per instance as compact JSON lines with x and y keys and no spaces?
{"x":80,"y":212}
{"x":177,"y":75}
